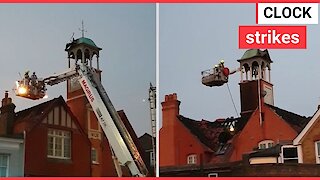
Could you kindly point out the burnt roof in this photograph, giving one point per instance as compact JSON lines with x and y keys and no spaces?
{"x":207,"y":132}
{"x":297,"y":122}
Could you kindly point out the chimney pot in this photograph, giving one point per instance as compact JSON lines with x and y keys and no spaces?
{"x":174,"y":95}
{"x":171,"y":97}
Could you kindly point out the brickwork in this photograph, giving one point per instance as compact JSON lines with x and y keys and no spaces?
{"x":308,"y":143}
{"x":272,"y":128}
{"x":176,"y":142}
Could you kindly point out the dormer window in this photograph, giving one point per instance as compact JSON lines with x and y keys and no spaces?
{"x":192,"y":159}
{"x":265,"y":144}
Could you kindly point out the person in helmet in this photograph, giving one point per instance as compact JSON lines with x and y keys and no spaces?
{"x":34,"y":84}
{"x":221,"y":64}
{"x":34,"y":79}
{"x":217,"y":71}
{"x":26,"y":78}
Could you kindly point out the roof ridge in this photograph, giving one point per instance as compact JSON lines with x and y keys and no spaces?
{"x":194,"y":128}
{"x":296,"y":121}
{"x":286,"y":111}
{"x":52,"y":100}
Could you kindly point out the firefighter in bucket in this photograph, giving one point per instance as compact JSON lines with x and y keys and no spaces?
{"x":221,"y":73}
{"x":217,"y":76}
{"x":30,"y":87}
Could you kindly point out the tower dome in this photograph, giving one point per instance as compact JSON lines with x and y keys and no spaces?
{"x":83,"y":49}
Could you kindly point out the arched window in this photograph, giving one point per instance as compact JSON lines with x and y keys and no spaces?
{"x":255,"y":70}
{"x":79,"y":54}
{"x":192,"y":159}
{"x":247,"y":70}
{"x":265,"y":144}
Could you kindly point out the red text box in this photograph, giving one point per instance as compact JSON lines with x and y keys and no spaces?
{"x":272,"y":37}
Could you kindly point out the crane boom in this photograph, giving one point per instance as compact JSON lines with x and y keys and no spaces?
{"x":111,"y":123}
{"x":117,"y":134}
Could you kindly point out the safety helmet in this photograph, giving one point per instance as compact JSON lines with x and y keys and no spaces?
{"x":221,"y":61}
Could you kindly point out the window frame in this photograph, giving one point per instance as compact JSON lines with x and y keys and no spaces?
{"x":317,"y":153}
{"x":266,"y":144}
{"x":282,"y":153}
{"x":213,"y":175}
{"x":8,"y":163}
{"x":55,"y":136}
{"x":96,"y":161}
{"x":193,"y":158}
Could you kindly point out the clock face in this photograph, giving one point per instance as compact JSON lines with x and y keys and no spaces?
{"x":74,"y":84}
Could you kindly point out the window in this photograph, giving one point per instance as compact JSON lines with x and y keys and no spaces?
{"x":290,"y":154}
{"x":151,"y":158}
{"x":317,"y":146}
{"x":262,"y":146}
{"x":4,"y":165}
{"x":265,"y":144}
{"x":59,"y":144}
{"x":192,"y":159}
{"x":94,"y":156}
{"x":213,"y":175}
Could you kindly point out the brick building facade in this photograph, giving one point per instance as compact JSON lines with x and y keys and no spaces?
{"x":54,"y":142}
{"x":263,"y":134}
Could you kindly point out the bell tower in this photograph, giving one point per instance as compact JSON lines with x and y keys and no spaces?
{"x":255,"y":83}
{"x":84,"y":50}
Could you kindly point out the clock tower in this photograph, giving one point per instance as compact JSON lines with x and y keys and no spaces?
{"x":255,"y":85}
{"x":84,"y":50}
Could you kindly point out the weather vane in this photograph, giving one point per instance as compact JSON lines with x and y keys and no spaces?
{"x":82,"y":29}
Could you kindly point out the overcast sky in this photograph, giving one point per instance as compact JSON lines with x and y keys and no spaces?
{"x":33,"y":37}
{"x":194,"y":37}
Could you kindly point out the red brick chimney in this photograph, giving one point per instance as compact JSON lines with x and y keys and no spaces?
{"x":168,"y":132}
{"x":7,"y":115}
{"x":170,"y":110}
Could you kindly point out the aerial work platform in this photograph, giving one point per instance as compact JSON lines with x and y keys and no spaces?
{"x":24,"y":88}
{"x":216,"y":76}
